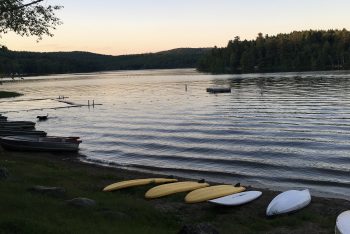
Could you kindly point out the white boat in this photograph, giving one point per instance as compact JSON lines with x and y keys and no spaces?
{"x":237,"y":199}
{"x":37,"y":143}
{"x":343,"y":223}
{"x":289,"y":201}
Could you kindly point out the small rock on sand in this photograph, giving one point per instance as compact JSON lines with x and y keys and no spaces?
{"x":81,"y":202}
{"x":50,"y":191}
{"x":4,"y":173}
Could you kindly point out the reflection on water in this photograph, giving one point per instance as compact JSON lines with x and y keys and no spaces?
{"x":286,"y":130}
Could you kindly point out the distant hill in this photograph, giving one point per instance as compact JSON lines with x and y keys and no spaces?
{"x":33,"y":63}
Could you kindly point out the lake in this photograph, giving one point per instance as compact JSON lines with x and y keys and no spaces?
{"x":280,"y":131}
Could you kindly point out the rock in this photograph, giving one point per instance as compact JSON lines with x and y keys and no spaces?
{"x":4,"y":173}
{"x":114,"y":215}
{"x":50,"y":191}
{"x":81,"y":202}
{"x":200,"y":228}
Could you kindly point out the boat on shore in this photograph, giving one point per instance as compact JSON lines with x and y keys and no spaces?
{"x":289,"y":201}
{"x":18,"y":132}
{"x":37,"y":143}
{"x":17,"y":124}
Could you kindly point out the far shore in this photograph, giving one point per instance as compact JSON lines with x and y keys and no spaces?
{"x":127,"y":211}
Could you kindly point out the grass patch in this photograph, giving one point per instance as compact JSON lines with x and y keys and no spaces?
{"x":27,"y":212}
{"x":127,"y":211}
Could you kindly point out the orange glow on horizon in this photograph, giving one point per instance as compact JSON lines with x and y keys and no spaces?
{"x":118,"y":27}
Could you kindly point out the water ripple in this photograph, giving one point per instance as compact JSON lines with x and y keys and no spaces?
{"x":274,"y":130}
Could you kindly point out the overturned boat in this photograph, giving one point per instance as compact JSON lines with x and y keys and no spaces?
{"x":289,"y":201}
{"x":37,"y":143}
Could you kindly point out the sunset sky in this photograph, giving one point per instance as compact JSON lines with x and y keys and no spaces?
{"x":137,"y":26}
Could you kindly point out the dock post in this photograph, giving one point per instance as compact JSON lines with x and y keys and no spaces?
{"x":93,"y":103}
{"x":88,"y":102}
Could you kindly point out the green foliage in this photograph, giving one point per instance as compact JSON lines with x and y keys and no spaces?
{"x":126,"y":211}
{"x":297,"y":51}
{"x":31,"y":63}
{"x":28,"y":18}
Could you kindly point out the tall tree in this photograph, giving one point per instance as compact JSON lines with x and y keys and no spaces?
{"x":28,"y":18}
{"x":25,"y":18}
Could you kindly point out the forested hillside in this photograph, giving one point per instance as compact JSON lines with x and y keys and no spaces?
{"x":297,"y":51}
{"x":31,"y":63}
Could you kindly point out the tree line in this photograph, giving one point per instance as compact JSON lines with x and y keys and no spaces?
{"x":14,"y":63}
{"x":297,"y":51}
{"x":38,"y":18}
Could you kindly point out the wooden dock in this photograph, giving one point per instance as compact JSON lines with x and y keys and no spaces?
{"x":70,"y":104}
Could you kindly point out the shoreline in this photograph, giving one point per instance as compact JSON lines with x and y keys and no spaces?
{"x":192,"y":69}
{"x":163,"y":172}
{"x":87,"y":180}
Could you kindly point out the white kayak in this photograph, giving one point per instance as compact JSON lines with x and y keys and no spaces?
{"x":289,"y":201}
{"x":343,"y":223}
{"x":237,"y":199}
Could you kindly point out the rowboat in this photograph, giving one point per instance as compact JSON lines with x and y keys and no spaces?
{"x":19,"y":132}
{"x":37,"y":143}
{"x":17,"y":124}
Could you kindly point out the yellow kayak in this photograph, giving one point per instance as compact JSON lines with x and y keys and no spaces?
{"x":212,"y":192}
{"x":138,"y":182}
{"x":168,"y":189}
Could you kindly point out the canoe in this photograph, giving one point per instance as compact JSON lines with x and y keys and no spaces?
{"x":212,"y":192}
{"x":137,"y":182}
{"x":237,"y":199}
{"x":289,"y":201}
{"x":17,"y":128}
{"x":17,"y":124}
{"x":343,"y":223}
{"x":37,"y":143}
{"x":19,"y":132}
{"x":179,"y":187}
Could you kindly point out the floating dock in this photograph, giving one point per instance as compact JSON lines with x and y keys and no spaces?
{"x":219,"y":90}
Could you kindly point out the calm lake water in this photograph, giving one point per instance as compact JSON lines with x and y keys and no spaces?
{"x":280,"y":131}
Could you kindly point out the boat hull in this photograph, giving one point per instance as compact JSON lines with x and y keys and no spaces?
{"x":17,"y":124}
{"x":18,"y":132}
{"x":13,"y":143}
